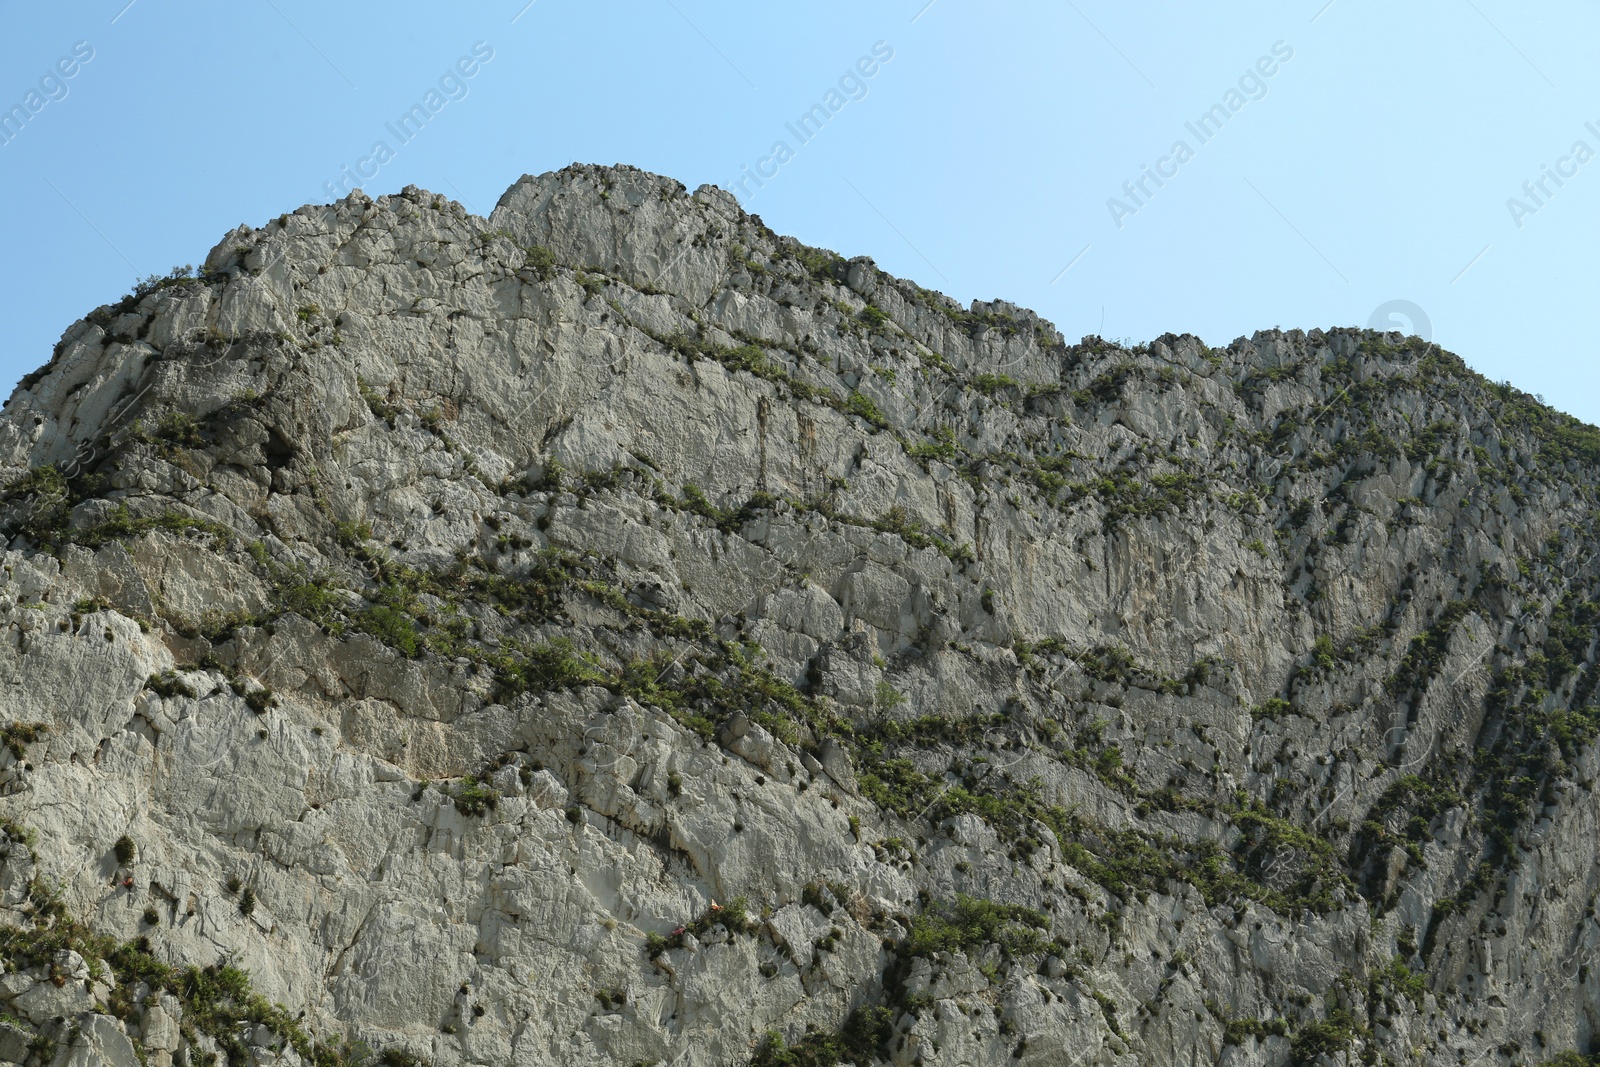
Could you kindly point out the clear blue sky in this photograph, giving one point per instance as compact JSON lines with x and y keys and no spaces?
{"x":1374,"y":164}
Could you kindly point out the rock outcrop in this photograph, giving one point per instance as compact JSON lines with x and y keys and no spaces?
{"x":611,"y":633}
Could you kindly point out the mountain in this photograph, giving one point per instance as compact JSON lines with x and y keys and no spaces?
{"x":609,"y":632}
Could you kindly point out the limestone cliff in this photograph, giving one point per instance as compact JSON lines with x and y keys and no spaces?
{"x":609,"y":632}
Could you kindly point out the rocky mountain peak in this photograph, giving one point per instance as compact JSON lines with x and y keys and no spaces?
{"x":611,"y":632}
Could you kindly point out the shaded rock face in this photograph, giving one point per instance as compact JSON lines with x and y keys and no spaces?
{"x":610,"y":632}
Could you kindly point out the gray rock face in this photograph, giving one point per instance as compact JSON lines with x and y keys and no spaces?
{"x":611,"y":633}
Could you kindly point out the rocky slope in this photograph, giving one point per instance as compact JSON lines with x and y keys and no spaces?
{"x":611,"y":633}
